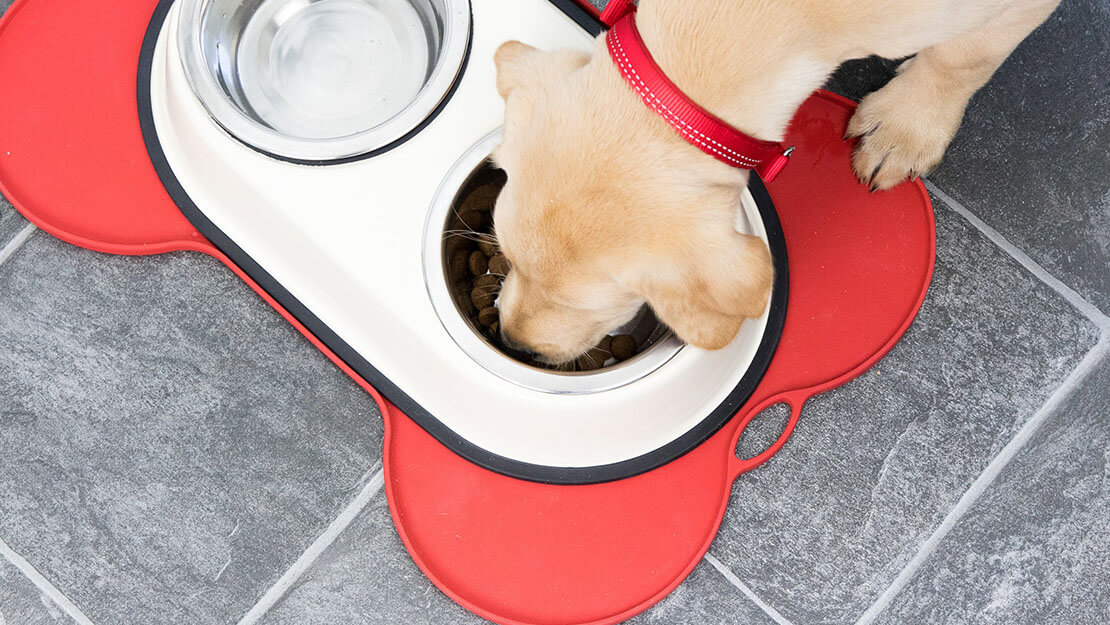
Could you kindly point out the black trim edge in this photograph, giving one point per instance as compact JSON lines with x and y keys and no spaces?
{"x":580,"y":15}
{"x":493,"y":462}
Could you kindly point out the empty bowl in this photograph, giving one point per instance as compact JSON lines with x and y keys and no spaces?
{"x":322,"y":80}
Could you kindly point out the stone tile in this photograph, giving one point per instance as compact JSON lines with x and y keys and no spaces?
{"x":1032,"y":156}
{"x":705,"y":598}
{"x":170,"y":444}
{"x":1034,"y":548}
{"x":22,"y":604}
{"x":874,"y":466}
{"x":367,"y":578}
{"x":11,"y":221}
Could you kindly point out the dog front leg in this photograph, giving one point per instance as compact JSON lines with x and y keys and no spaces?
{"x":905,"y":127}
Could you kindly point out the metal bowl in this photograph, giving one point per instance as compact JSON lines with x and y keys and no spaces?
{"x":657,"y":343}
{"x":322,"y":80}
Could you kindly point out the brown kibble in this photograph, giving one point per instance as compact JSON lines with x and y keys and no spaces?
{"x":462,"y":290}
{"x":471,"y":220}
{"x":459,"y":262}
{"x":623,"y":346}
{"x":495,"y":327}
{"x":487,"y":281}
{"x":452,"y":244}
{"x":591,"y":360}
{"x":481,"y":199}
{"x":489,"y":248}
{"x":499,"y":265}
{"x":606,"y":344}
{"x":478,"y":263}
{"x":482,"y":298}
{"x":487,"y":316}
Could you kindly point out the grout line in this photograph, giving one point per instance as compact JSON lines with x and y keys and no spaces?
{"x":987,"y":477}
{"x":1074,"y":298}
{"x":43,"y":584}
{"x":301,"y":566}
{"x":17,"y":242}
{"x":735,"y":581}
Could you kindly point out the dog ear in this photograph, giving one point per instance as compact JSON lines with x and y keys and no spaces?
{"x":710,"y":300}
{"x":516,"y":63}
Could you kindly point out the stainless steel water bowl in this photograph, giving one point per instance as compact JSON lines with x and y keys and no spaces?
{"x":321,"y":80}
{"x":657,"y":343}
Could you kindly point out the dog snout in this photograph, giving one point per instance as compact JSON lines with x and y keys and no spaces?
{"x":516,"y":348}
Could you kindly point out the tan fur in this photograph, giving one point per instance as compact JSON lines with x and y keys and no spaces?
{"x":607,"y":208}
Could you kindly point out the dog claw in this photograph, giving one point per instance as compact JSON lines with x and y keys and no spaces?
{"x":875,"y":172}
{"x":848,"y":134}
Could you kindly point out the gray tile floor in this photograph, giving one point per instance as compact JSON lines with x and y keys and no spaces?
{"x":173,"y":452}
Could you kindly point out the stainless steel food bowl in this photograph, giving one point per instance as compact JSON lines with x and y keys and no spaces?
{"x":657,"y":343}
{"x":322,"y":80}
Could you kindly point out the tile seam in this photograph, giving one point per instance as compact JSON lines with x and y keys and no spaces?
{"x":43,"y":585}
{"x":731,"y":577}
{"x":285,"y":583}
{"x":1094,"y":357}
{"x":16,"y":242}
{"x":1089,"y":310}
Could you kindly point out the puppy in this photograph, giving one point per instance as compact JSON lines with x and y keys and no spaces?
{"x":607,"y":208}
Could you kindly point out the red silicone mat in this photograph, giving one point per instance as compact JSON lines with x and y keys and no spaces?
{"x":72,"y":159}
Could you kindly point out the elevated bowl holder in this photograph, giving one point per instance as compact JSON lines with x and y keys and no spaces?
{"x":74,"y":162}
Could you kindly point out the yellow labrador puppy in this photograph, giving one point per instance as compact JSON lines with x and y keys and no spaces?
{"x":607,"y":208}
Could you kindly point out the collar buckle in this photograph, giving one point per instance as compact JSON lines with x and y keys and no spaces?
{"x":615,"y":10}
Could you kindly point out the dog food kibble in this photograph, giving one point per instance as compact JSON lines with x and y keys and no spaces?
{"x":477,"y":269}
{"x":593,"y":359}
{"x":489,"y":248}
{"x":481,"y":199}
{"x":623,"y":346}
{"x":478,"y":263}
{"x":452,"y":245}
{"x":482,"y":298}
{"x":499,"y":265}
{"x":487,"y":316}
{"x":459,"y":261}
{"x":606,"y":344}
{"x":472,"y":220}
{"x":488,"y":281}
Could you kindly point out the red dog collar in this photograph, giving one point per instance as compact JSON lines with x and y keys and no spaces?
{"x":695,"y":124}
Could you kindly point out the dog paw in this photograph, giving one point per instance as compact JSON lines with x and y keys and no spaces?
{"x":901,"y":136}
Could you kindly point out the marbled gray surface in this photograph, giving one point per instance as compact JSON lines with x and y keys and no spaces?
{"x":11,"y":222}
{"x":1033,"y":155}
{"x":22,"y":604}
{"x":705,"y":598}
{"x":873,"y":467}
{"x":170,"y":444}
{"x":367,"y":578}
{"x":1036,"y":547}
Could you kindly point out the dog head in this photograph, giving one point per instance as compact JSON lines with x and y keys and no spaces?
{"x":605,"y":209}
